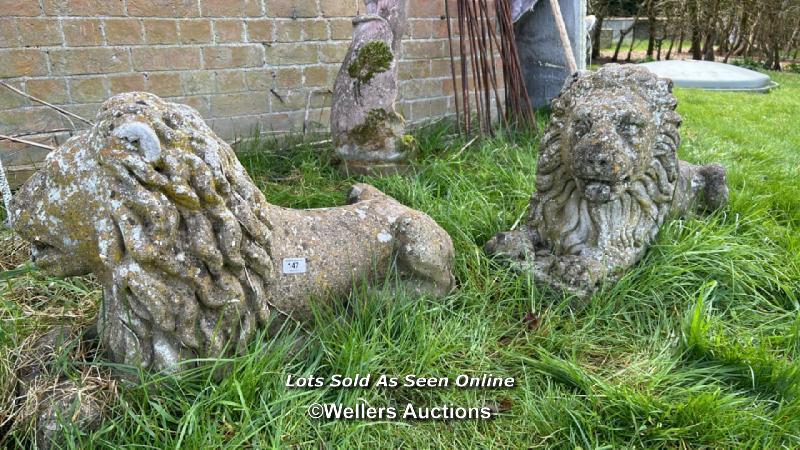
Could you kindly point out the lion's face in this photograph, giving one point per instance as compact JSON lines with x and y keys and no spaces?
{"x":159,"y":208}
{"x":607,"y":164}
{"x":74,"y":207}
{"x":608,"y":142}
{"x":55,"y":208}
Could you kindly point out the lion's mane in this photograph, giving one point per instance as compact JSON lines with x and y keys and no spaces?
{"x":186,"y":244}
{"x":566,"y":222}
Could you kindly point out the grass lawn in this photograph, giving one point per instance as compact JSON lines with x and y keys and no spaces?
{"x":698,"y":346}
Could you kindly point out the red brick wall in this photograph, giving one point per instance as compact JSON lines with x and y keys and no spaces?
{"x":241,"y":63}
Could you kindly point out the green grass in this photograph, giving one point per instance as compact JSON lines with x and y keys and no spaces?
{"x":638,"y":45}
{"x":695,"y":347}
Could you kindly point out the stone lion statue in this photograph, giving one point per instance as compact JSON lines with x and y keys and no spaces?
{"x":192,"y":258}
{"x":608,"y":177}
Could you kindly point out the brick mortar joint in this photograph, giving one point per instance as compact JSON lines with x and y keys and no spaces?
{"x":255,"y":61}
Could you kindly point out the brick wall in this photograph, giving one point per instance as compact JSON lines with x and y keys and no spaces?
{"x":241,"y":63}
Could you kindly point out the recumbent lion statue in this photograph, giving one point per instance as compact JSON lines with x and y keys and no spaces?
{"x":192,"y":258}
{"x":608,"y":177}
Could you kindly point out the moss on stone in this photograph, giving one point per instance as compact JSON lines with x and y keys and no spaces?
{"x":409,"y":142}
{"x":374,"y":126}
{"x":373,"y":58}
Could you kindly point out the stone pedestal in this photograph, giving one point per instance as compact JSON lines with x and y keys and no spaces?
{"x":540,"y":50}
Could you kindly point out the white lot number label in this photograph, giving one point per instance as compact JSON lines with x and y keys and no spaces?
{"x":294,"y":265}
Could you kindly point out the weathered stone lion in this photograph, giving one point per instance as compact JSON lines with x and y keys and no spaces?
{"x":192,"y":258}
{"x":607,"y":178}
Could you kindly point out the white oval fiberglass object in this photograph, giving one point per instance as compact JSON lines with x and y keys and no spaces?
{"x":711,"y":75}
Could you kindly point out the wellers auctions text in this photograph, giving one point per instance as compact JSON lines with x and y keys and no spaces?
{"x":363,"y":411}
{"x":484,"y":381}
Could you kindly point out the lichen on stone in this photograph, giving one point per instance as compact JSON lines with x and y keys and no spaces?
{"x":607,"y":178}
{"x":160,"y":209}
{"x":373,"y":58}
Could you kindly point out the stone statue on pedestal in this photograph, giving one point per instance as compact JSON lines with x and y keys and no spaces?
{"x":368,"y":134}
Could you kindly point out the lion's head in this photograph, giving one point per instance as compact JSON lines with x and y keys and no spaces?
{"x":161,"y":210}
{"x":608,"y":165}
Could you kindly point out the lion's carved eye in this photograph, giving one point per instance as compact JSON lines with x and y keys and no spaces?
{"x":581,"y":127}
{"x":628,"y":127}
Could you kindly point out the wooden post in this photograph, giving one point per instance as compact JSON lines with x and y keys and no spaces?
{"x":572,"y":66}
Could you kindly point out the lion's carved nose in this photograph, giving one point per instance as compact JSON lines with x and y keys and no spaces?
{"x":600,"y":161}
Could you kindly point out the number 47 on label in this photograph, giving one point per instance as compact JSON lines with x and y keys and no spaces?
{"x":294,"y":265}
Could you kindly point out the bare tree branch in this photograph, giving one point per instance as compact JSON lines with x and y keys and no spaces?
{"x":38,"y":100}
{"x":26,"y":142}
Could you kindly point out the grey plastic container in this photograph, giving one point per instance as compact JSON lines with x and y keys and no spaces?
{"x":711,"y":76}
